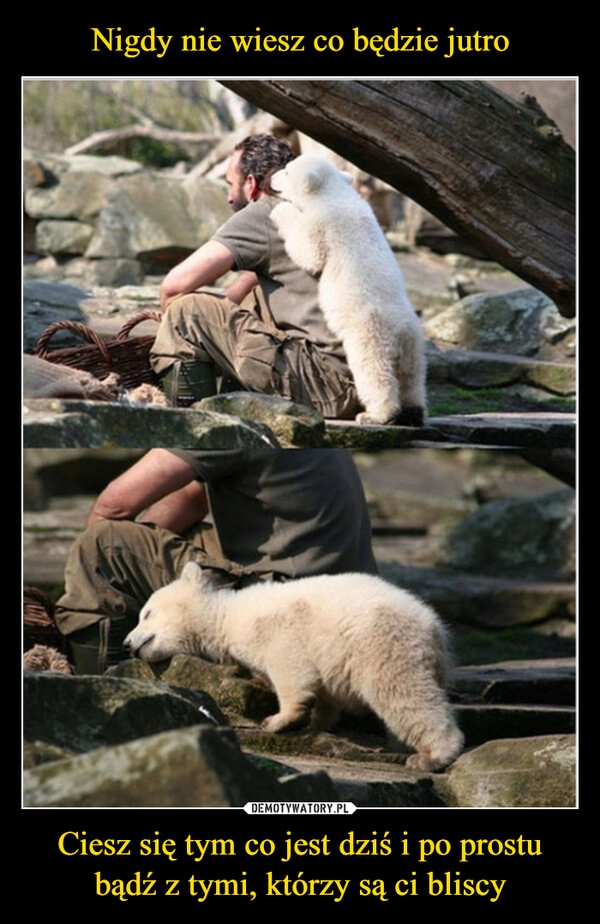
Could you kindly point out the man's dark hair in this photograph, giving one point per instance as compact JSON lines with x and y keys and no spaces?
{"x":261,"y":156}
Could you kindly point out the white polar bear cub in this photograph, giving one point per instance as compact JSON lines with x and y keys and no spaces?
{"x":328,"y":643}
{"x":329,"y":230}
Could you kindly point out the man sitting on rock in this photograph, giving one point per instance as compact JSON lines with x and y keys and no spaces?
{"x":268,"y":332}
{"x":244,"y":515}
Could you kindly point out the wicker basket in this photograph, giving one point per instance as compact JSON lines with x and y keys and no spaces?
{"x":126,"y":356}
{"x":39,"y":626}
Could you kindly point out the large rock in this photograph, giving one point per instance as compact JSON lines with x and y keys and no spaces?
{"x":63,"y":237}
{"x":63,"y":196}
{"x":524,"y":322}
{"x":474,"y":369}
{"x":230,"y":685}
{"x":535,"y":772}
{"x":113,"y":210}
{"x":193,"y":767}
{"x":81,"y":713}
{"x":533,"y":538}
{"x":293,"y":424}
{"x":157,"y":218}
{"x":100,"y":425}
{"x":77,"y":424}
{"x":46,"y":169}
{"x":465,"y":598}
{"x":542,"y":681}
{"x":45,"y":303}
{"x":79,"y":195}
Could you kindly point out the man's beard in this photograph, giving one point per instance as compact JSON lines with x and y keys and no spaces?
{"x":240,"y":202}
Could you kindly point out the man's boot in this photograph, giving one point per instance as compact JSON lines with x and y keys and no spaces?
{"x":186,"y":383}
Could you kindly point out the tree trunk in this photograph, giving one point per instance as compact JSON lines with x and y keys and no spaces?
{"x":495,"y":171}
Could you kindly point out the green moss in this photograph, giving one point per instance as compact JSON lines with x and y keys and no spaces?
{"x":486,"y":646}
{"x":455,"y":400}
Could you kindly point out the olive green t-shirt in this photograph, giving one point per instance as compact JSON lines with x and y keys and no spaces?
{"x":293,"y":511}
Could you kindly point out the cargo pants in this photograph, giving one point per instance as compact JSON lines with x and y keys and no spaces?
{"x":243,"y":341}
{"x":114,"y":566}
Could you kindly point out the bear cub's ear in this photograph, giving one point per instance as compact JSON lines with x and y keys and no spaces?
{"x":192,"y":572}
{"x":312,"y":180}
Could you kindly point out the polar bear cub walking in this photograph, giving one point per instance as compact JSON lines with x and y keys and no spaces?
{"x":330,"y":231}
{"x":329,"y":643}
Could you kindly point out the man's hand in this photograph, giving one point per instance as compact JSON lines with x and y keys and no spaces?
{"x":202,"y":268}
{"x":161,"y":487}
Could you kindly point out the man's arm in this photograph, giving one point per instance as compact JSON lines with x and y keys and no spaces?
{"x":202,"y":268}
{"x":240,"y":287}
{"x":161,"y":486}
{"x":179,"y":510}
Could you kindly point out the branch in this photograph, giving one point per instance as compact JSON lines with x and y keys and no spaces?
{"x":112,"y":135}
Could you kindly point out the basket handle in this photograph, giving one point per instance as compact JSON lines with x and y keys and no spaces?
{"x":41,"y":347}
{"x":131,"y":323}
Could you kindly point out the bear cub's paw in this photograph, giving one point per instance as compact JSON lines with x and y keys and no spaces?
{"x":407,"y":417}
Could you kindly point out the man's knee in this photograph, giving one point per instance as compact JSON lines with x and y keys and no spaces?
{"x":108,"y":534}
{"x":187,"y":313}
{"x":185,"y":307}
{"x":185,"y":331}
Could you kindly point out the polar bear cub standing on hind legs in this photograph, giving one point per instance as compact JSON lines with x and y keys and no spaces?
{"x":346,"y":642}
{"x":330,"y":231}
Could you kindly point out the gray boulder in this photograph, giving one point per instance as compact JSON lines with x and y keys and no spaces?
{"x":55,"y":423}
{"x":82,"y":713}
{"x":466,"y":598}
{"x":533,"y":538}
{"x":193,"y":767}
{"x":159,"y":218}
{"x":232,"y":686}
{"x":292,"y":424}
{"x":535,"y":772}
{"x":63,"y":237}
{"x":523,"y":322}
{"x":45,"y":303}
{"x":43,"y":168}
{"x":79,"y":195}
{"x":115,"y":212}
